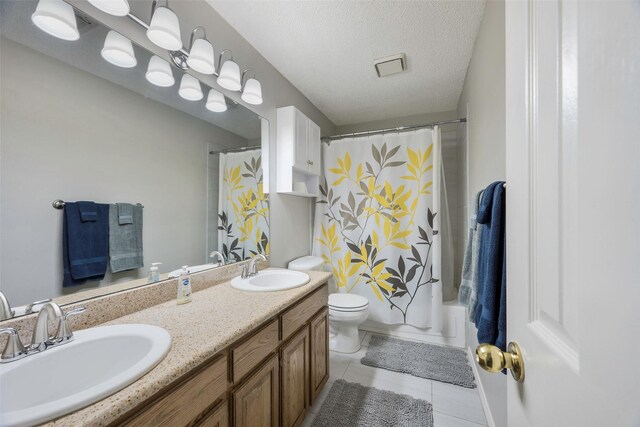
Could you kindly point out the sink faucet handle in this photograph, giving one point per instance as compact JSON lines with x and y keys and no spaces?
{"x":29,"y":308}
{"x":64,"y":331}
{"x":14,"y":349}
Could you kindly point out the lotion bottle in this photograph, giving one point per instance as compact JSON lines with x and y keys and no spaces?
{"x":184,"y":286}
{"x":154,"y":273}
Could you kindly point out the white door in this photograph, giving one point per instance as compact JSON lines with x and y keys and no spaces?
{"x":300,"y":141}
{"x":573,"y":211}
{"x":314,"y":148}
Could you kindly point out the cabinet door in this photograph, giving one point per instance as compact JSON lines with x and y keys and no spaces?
{"x":319,"y":338}
{"x":294,"y":362}
{"x":314,"y":148}
{"x":217,"y":418}
{"x":300,"y":141}
{"x":255,"y":402}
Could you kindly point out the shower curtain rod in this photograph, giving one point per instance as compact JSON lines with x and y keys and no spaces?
{"x":236,"y":150}
{"x":397,"y":129}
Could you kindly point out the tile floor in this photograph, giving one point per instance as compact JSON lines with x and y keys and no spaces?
{"x":453,"y":406}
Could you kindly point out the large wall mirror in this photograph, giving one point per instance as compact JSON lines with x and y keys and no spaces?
{"x":167,"y":180}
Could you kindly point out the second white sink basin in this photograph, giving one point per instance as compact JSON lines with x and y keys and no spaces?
{"x":271,"y":279}
{"x":99,"y":362}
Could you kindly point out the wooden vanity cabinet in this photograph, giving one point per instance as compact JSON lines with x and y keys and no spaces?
{"x":319,"y":354}
{"x":219,"y":417}
{"x":256,"y":401}
{"x":268,"y":378}
{"x":294,"y":378}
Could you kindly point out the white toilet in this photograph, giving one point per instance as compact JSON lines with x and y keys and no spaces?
{"x":346,"y":311}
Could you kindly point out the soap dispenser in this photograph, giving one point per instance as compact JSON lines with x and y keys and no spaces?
{"x":154,"y":273}
{"x":184,"y":286}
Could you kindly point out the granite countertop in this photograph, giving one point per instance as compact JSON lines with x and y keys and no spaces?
{"x":215,"y":318}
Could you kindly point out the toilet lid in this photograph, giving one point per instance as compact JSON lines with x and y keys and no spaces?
{"x":348,"y":302}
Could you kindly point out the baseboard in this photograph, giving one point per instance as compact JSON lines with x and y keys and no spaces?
{"x":453,"y":328}
{"x":483,"y":396}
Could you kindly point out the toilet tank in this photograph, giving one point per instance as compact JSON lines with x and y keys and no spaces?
{"x":306,"y":263}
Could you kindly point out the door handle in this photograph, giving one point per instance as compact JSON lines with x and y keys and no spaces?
{"x":492,"y":359}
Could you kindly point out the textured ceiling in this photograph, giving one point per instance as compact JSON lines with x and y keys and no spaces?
{"x":327,"y":48}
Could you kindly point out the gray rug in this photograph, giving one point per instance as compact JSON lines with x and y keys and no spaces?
{"x":354,"y":405}
{"x":434,"y":362}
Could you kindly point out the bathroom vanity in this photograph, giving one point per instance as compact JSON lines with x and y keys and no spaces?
{"x":237,"y":359}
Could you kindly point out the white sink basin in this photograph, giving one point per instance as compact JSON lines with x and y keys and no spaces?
{"x":99,"y":362}
{"x":271,"y":279}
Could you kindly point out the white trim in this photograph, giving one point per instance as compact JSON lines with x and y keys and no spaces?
{"x":483,"y":396}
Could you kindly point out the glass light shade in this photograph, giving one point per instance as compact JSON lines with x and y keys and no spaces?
{"x":56,"y":18}
{"x":112,"y":7}
{"x":164,"y":29}
{"x":252,"y":93}
{"x":118,"y":50}
{"x":216,"y":102}
{"x":190,"y":88}
{"x":229,"y":77}
{"x":201,"y":57}
{"x":159,"y":72}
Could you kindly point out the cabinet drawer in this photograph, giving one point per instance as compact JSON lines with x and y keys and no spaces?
{"x":300,"y":314}
{"x":182,"y":405}
{"x":251,"y":352}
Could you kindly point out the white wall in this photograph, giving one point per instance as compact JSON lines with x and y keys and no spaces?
{"x":71,"y":135}
{"x":483,"y":102}
{"x":290,"y":215}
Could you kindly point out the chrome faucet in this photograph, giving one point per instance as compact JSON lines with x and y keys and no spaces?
{"x":5,"y":308}
{"x":250,"y":269}
{"x":215,"y":254}
{"x":41,"y":338}
{"x":30,"y":308}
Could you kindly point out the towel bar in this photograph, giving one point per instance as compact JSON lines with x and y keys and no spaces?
{"x":59,"y":204}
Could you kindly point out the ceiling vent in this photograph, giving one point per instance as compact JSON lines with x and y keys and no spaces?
{"x":389,"y":65}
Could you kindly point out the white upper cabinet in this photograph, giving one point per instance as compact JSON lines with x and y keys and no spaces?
{"x":298,"y":153}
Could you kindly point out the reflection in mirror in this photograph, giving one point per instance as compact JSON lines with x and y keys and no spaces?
{"x":172,"y":173}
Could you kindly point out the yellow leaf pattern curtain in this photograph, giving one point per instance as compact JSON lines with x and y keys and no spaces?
{"x":378,"y":224}
{"x":243,"y":208}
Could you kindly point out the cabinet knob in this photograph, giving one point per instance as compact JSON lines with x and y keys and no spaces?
{"x":309,"y":162}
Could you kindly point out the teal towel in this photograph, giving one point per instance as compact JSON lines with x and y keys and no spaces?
{"x":125,"y":213}
{"x":468,"y":294}
{"x":125,"y":240}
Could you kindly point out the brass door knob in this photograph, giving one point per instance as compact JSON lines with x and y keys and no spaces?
{"x":492,"y":359}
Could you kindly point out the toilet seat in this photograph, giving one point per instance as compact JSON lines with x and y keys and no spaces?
{"x":347,"y":302}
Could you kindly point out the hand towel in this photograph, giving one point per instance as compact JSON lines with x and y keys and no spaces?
{"x":85,"y":243}
{"x":125,"y":213}
{"x":88,"y":211}
{"x":125,"y":240}
{"x":468,"y":293}
{"x":491,"y":264}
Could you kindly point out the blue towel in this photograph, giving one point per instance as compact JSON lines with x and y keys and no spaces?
{"x":85,"y":242}
{"x":88,"y":211}
{"x":491,"y":309}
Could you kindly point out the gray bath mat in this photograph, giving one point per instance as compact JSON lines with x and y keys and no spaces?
{"x":433,"y":362}
{"x":354,"y":405}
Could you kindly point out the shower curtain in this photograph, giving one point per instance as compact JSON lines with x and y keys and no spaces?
{"x":381,"y":222}
{"x":243,"y":208}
